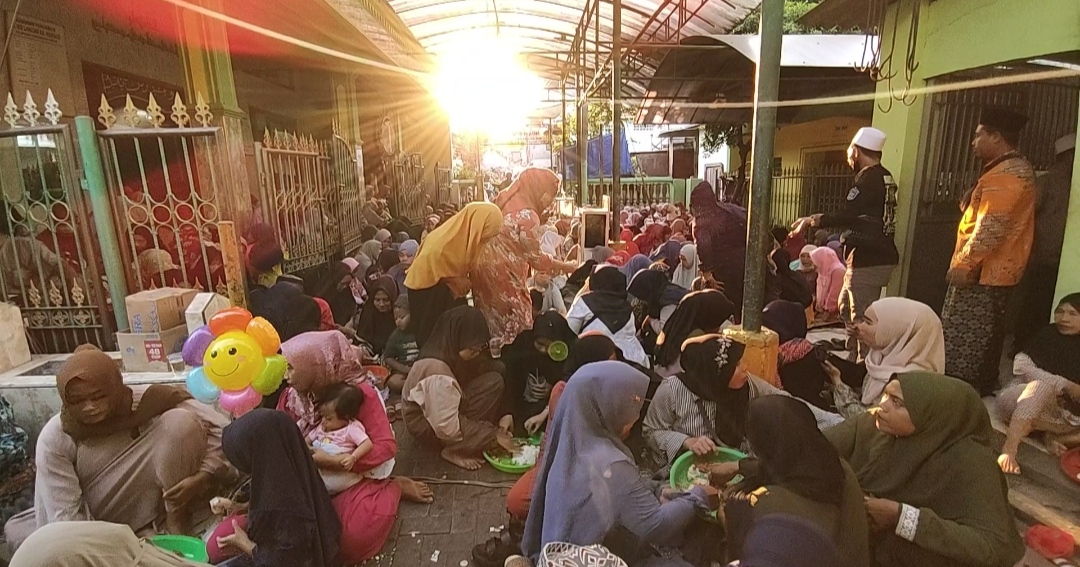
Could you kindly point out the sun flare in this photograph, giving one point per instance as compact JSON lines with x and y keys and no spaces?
{"x":483,"y":87}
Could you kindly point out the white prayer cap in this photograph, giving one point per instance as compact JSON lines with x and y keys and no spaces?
{"x":1065,"y":143}
{"x":869,"y":138}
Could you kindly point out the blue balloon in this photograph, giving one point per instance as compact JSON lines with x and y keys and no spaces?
{"x":201,"y":387}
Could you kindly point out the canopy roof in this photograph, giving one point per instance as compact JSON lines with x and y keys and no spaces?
{"x":721,"y":68}
{"x":544,"y":30}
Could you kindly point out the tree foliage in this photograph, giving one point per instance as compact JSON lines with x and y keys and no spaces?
{"x":793,"y":10}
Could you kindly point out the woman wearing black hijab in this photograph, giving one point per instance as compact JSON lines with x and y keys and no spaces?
{"x":800,"y":368}
{"x":604,"y":307}
{"x":795,"y":471}
{"x":290,"y":519}
{"x":336,"y":292}
{"x":702,"y":407}
{"x":792,"y":286}
{"x":376,"y":321}
{"x":531,"y":368}
{"x":452,"y":396}
{"x":660,"y":297}
{"x":698,"y":313}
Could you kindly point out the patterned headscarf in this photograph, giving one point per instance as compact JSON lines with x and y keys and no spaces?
{"x":534,"y":189}
{"x":709,"y":362}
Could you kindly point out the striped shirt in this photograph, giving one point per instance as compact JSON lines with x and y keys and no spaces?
{"x":677,"y":414}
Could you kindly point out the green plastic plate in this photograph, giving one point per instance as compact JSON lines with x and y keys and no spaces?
{"x":681,"y":466}
{"x":505,"y":464}
{"x":191,"y":548}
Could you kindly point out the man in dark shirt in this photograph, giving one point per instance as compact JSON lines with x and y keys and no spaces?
{"x":868,"y":222}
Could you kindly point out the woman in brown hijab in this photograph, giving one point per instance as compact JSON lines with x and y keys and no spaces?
{"x":143,"y":456}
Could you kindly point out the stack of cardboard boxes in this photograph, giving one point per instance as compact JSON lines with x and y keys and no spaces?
{"x":159,"y":321}
{"x":156,"y":328}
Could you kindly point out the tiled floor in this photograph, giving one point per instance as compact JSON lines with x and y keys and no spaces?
{"x":443,"y":533}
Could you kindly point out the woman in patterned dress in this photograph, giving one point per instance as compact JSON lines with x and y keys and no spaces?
{"x":502,"y":267}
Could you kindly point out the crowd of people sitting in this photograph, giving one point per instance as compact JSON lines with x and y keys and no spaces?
{"x":496,"y":322}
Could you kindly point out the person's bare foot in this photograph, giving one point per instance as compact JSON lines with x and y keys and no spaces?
{"x":415,"y":491}
{"x":1057,"y":448}
{"x":463,"y":461}
{"x":1008,"y":464}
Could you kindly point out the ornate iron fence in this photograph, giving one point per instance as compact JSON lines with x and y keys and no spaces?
{"x":407,"y":190}
{"x":347,"y":199}
{"x":165,"y":183}
{"x":295,"y":184}
{"x":48,"y":266}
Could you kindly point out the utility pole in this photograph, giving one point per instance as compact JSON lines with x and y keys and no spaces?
{"x":771,"y":34}
{"x":616,"y":114}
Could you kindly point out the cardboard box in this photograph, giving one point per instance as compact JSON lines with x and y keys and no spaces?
{"x":202,"y":308}
{"x":149,"y":352}
{"x":154,"y":310}
{"x":14,"y":348}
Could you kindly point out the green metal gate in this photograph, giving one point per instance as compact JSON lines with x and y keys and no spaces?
{"x":48,"y":266}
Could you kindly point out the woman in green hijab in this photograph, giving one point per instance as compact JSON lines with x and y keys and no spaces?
{"x":935,"y":495}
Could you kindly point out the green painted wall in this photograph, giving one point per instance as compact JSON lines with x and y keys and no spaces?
{"x":1069,"y":272}
{"x":956,"y":35}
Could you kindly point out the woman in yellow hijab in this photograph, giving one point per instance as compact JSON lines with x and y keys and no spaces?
{"x":439,"y":277}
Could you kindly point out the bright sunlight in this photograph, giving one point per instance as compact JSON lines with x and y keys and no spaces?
{"x":483,"y":87}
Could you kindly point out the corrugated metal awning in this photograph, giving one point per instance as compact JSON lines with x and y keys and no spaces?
{"x":721,"y":69}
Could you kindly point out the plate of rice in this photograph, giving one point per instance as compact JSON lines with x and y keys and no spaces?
{"x":522,"y":458}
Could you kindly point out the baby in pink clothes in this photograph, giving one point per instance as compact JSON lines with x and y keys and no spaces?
{"x":340,"y":439}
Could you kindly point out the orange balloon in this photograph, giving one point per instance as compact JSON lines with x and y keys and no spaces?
{"x":232,"y":319}
{"x":264,"y":333}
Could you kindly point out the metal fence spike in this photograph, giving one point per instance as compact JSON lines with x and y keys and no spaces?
{"x":106,"y":114}
{"x":52,"y":109}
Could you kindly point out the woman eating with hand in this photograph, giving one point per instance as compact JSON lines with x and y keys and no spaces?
{"x":795,"y":471}
{"x":702,"y":407}
{"x":452,"y":395}
{"x":588,"y":490}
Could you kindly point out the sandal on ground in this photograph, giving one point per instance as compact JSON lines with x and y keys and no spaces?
{"x":495,"y":551}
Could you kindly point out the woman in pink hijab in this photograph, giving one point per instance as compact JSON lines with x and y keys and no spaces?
{"x":830,"y":279}
{"x":368,"y":509}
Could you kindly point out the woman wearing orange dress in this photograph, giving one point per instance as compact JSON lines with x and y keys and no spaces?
{"x":499,"y":275}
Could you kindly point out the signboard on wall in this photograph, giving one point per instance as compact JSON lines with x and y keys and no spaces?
{"x":38,"y":61}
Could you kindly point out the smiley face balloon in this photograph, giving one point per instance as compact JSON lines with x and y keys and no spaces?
{"x":233,"y":360}
{"x":239,"y":363}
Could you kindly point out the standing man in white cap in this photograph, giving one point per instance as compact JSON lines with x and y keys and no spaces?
{"x":868,"y":219}
{"x":1051,"y":213}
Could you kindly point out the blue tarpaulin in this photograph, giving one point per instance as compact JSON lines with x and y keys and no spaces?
{"x":598,"y":151}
